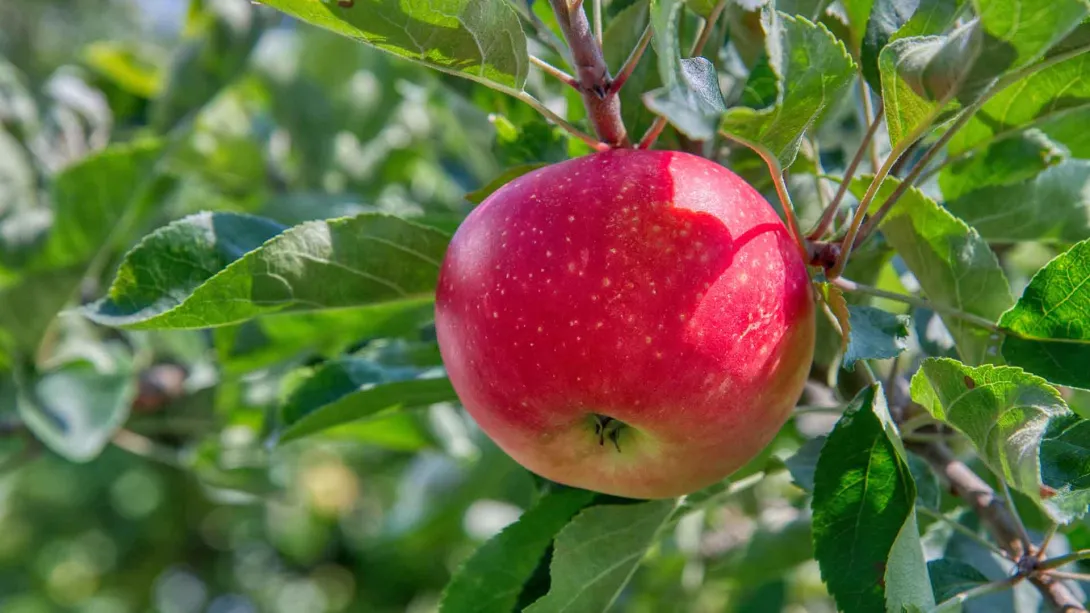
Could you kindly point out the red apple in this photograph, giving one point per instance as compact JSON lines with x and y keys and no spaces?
{"x":638,"y":323}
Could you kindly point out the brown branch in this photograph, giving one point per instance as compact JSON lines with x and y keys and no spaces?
{"x":603,"y":107}
{"x":997,"y":518}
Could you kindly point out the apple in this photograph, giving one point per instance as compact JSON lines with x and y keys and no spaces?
{"x":638,"y":323}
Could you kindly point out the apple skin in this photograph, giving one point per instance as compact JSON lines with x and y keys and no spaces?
{"x":655,"y":288}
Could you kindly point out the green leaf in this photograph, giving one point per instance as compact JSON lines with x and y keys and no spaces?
{"x":1050,"y":324}
{"x":492,"y":578}
{"x":772,"y":551}
{"x":950,"y":577}
{"x":1018,"y":32}
{"x":690,"y":97}
{"x":76,"y":407}
{"x":810,"y":73}
{"x":97,"y":200}
{"x":596,"y":554}
{"x":892,"y":20}
{"x":1055,"y":100}
{"x":1005,"y":163}
{"x":803,"y":464}
{"x":921,"y":74}
{"x":1005,"y":412}
{"x":219,"y":40}
{"x":858,"y":13}
{"x":1051,"y":206}
{"x":478,"y":196}
{"x":875,"y":334}
{"x":476,"y":39}
{"x":865,"y":535}
{"x":215,"y":269}
{"x":32,"y":303}
{"x":263,"y":342}
{"x":953,"y":264}
{"x":348,"y":390}
{"x":622,"y":34}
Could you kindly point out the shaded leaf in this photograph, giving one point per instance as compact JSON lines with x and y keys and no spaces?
{"x":76,"y":408}
{"x":1051,"y":321}
{"x":809,"y":72}
{"x":1005,"y":412}
{"x":596,"y":554}
{"x":1018,"y":32}
{"x":215,"y":269}
{"x":1006,"y":162}
{"x":1055,"y":100}
{"x":349,"y":389}
{"x":949,"y":577}
{"x":865,"y":538}
{"x":875,"y":334}
{"x":690,"y":97}
{"x":621,"y":36}
{"x":98,"y":200}
{"x":953,"y":264}
{"x":477,"y":39}
{"x":803,"y":464}
{"x":492,"y":578}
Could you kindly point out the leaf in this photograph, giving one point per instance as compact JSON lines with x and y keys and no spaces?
{"x":950,"y":577}
{"x":833,"y":296}
{"x":492,"y":578}
{"x":596,"y":554}
{"x":1050,"y":324}
{"x":126,"y":65}
{"x":215,"y":269}
{"x":1053,"y":100}
{"x":772,"y":551}
{"x":1052,"y":206}
{"x":260,"y":343}
{"x":810,"y":69}
{"x":480,"y":40}
{"x":921,"y":74}
{"x":219,"y":38}
{"x":803,"y":464}
{"x":690,"y":97}
{"x":364,"y":401}
{"x":1018,"y":32}
{"x":1005,"y":163}
{"x":76,"y":407}
{"x":98,"y":200}
{"x":864,"y":523}
{"x":892,"y":20}
{"x":478,"y":196}
{"x":875,"y":335}
{"x":953,"y":264}
{"x":1005,"y":413}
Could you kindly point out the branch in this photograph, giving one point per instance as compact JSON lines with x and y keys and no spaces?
{"x":995,"y":516}
{"x":603,"y":108}
{"x":829,"y":213}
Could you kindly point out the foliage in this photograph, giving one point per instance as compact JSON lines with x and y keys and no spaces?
{"x":221,"y":226}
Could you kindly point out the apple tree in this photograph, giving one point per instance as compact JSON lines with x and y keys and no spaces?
{"x":741,"y":305}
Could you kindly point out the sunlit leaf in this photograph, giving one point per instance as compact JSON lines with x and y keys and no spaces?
{"x":809,"y":75}
{"x":477,"y":39}
{"x":216,"y":269}
{"x":892,"y":20}
{"x":596,"y":554}
{"x":1005,"y":412}
{"x":865,"y":535}
{"x":492,"y":578}
{"x":1051,"y":321}
{"x":953,"y":264}
{"x":1005,"y":163}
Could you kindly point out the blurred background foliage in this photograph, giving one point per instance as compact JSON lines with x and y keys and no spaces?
{"x":189,"y":508}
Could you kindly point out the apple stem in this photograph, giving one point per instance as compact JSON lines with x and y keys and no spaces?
{"x":603,"y":105}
